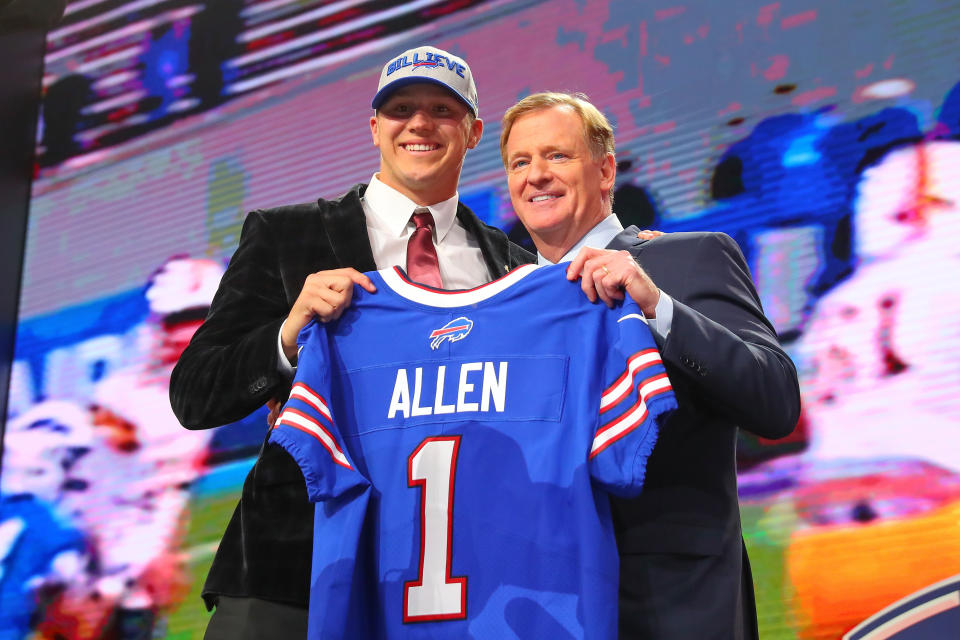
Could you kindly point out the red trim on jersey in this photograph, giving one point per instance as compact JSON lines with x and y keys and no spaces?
{"x":623,"y":376}
{"x":618,"y":422}
{"x":333,"y":441}
{"x":323,"y":409}
{"x":623,"y":433}
{"x":440,"y":332}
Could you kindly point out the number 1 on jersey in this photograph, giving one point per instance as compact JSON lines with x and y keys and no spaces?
{"x":435,"y":595}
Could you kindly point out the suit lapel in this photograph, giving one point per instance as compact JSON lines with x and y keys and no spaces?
{"x":346,"y":229}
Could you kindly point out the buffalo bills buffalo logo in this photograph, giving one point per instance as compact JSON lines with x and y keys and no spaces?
{"x":454,"y":330}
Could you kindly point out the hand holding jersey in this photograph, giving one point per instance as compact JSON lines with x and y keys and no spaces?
{"x":324,"y":295}
{"x":609,"y":274}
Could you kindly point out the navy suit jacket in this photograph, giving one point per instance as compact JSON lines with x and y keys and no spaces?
{"x":231,"y":368}
{"x":684,"y":572}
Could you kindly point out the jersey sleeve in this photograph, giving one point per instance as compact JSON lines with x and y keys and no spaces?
{"x":635,"y":400}
{"x":307,"y":426}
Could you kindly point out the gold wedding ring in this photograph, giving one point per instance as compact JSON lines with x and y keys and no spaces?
{"x":605,"y":270}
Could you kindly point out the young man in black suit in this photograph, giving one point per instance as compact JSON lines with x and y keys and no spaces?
{"x":684,"y":572}
{"x":301,"y":261}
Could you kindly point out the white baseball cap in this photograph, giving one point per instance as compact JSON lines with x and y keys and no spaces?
{"x":428,"y":64}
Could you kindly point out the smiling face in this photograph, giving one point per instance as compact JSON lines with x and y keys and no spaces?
{"x":423,"y":132}
{"x":558,"y":188}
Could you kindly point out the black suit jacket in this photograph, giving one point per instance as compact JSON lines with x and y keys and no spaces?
{"x":684,"y":572}
{"x":231,"y":368}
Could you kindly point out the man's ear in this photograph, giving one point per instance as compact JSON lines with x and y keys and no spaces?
{"x":608,"y":172}
{"x":476,"y":132}
{"x":375,"y":130}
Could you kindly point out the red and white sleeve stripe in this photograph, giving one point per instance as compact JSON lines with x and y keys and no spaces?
{"x":624,"y":384}
{"x":304,"y":393}
{"x":299,"y":420}
{"x":632,"y":417}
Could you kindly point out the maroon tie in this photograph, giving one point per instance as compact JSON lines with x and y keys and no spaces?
{"x":422,"y":263}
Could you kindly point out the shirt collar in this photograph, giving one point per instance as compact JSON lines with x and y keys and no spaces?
{"x":391,"y":210}
{"x":598,"y":237}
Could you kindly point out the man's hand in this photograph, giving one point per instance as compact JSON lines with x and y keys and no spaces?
{"x":274,"y":406}
{"x":325,"y":294}
{"x":608,"y":274}
{"x":648,"y":234}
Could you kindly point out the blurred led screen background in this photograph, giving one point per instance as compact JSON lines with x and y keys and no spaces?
{"x":823,"y":136}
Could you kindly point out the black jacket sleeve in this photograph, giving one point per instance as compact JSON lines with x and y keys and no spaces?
{"x":230,"y":367}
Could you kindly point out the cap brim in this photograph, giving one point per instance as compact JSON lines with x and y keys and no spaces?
{"x":384,"y":93}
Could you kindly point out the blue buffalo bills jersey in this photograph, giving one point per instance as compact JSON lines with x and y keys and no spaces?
{"x":459,"y":446}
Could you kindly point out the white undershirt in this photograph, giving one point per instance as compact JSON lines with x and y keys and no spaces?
{"x":389,"y":227}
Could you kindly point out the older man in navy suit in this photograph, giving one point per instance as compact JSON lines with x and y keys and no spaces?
{"x":684,"y":571}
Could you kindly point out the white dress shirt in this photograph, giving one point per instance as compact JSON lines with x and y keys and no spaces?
{"x":389,"y":227}
{"x":598,"y":238}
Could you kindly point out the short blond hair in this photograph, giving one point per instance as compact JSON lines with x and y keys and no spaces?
{"x":596,"y":128}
